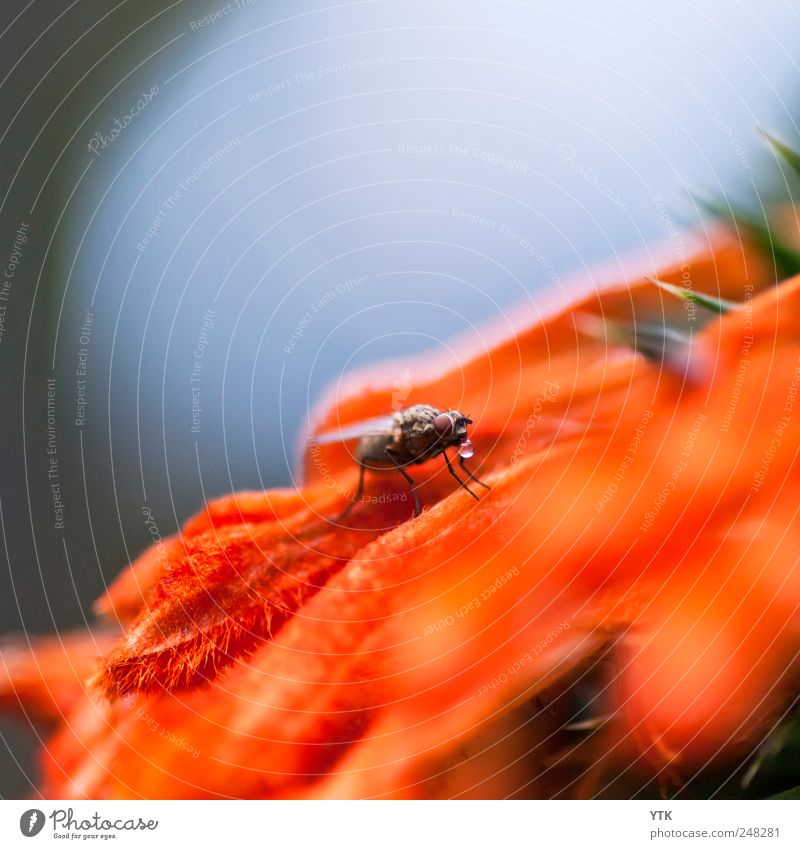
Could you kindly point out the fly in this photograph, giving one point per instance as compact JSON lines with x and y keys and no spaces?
{"x":413,"y":435}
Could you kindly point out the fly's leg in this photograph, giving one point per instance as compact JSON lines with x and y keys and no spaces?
{"x":356,"y":498}
{"x":469,"y":474}
{"x":399,"y":466}
{"x":453,"y":473}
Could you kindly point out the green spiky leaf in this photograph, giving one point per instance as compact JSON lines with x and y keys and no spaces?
{"x":776,"y":764}
{"x":794,"y":793}
{"x":787,"y":260}
{"x":709,"y":302}
{"x":789,"y":154}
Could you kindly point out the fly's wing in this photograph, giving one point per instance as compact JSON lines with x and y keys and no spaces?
{"x":355,"y":430}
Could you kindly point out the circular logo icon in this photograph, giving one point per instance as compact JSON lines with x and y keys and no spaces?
{"x":31,"y":822}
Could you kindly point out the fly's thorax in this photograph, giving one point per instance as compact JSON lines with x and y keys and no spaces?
{"x":415,"y":435}
{"x":419,"y":417}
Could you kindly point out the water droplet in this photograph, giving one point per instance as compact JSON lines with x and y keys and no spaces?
{"x":466,"y":449}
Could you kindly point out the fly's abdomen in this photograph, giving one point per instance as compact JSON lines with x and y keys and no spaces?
{"x":371,"y":449}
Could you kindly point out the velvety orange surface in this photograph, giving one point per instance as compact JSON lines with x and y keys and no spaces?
{"x":621,"y":607}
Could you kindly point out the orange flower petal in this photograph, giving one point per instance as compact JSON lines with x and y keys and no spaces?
{"x":228,"y":588}
{"x":43,"y":676}
{"x":596,"y":527}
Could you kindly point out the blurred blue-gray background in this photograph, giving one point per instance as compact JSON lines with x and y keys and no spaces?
{"x":210,"y":211}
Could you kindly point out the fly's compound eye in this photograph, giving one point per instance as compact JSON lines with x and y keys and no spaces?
{"x":443,"y":425}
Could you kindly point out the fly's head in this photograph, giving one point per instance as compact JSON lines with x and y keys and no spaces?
{"x":451,"y":430}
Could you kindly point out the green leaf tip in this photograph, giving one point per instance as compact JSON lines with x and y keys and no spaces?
{"x":789,"y":154}
{"x":786,"y":259}
{"x":709,"y":302}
